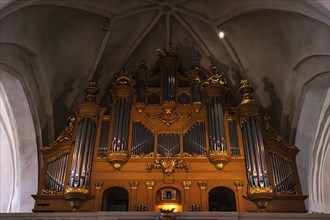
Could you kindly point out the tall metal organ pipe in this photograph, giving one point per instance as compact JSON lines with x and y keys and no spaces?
{"x":81,"y":165}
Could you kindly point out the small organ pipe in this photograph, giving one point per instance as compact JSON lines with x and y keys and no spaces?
{"x":247,"y":154}
{"x":115,"y":123}
{"x":256,"y":148}
{"x":262,"y":151}
{"x":86,"y":151}
{"x":217,"y":124}
{"x":250,"y":148}
{"x":90,"y":155}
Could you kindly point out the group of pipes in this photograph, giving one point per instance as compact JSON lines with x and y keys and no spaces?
{"x":55,"y":173}
{"x":194,"y":139}
{"x":103,"y":145}
{"x":142,"y":139}
{"x":169,"y":84}
{"x":121,"y":124}
{"x":168,"y":144}
{"x":254,"y":149}
{"x":183,"y":99}
{"x":283,"y":173}
{"x":215,"y":117}
{"x":83,"y":153}
{"x":141,"y":91}
{"x":234,"y":147}
{"x":195,"y":91}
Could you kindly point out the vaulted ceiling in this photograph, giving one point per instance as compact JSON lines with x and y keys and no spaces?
{"x":55,"y":47}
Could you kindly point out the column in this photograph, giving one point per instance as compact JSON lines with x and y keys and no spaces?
{"x":239,"y":195}
{"x":98,"y":196}
{"x":134,"y":186}
{"x":150,"y":203}
{"x":202,"y":185}
{"x":186,"y":198}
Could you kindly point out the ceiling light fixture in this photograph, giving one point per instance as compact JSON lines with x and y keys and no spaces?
{"x":221,"y":34}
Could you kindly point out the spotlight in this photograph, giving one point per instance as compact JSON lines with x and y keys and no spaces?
{"x":221,"y":34}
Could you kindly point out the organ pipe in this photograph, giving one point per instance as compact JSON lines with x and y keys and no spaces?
{"x":55,"y":173}
{"x":234,"y":147}
{"x":103,"y":143}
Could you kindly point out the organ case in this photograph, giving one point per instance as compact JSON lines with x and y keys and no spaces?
{"x":169,"y":140}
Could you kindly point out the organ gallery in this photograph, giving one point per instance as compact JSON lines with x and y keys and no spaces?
{"x":170,"y":140}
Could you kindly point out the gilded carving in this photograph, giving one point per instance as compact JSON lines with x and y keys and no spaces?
{"x":255,"y":189}
{"x":118,"y":159}
{"x":91,"y":91}
{"x":83,"y":190}
{"x":134,"y":184}
{"x":50,"y":191}
{"x":99,"y":185}
{"x":238,"y":184}
{"x":168,"y":119}
{"x":149,"y":184}
{"x":168,"y":165}
{"x":186,"y":184}
{"x":202,"y":184}
{"x":219,"y":159}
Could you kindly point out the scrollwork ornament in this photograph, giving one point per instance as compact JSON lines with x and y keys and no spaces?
{"x":168,"y":165}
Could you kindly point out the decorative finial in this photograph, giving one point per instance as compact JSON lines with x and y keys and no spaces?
{"x":124,"y":78}
{"x":214,"y":70}
{"x":91,"y":91}
{"x":246,"y":90}
{"x":143,"y":65}
{"x":195,"y":65}
{"x":172,"y":51}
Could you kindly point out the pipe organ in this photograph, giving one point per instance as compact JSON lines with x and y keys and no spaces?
{"x":169,"y":140}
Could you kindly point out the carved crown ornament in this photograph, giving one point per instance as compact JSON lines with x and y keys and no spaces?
{"x":168,"y":165}
{"x":168,"y":119}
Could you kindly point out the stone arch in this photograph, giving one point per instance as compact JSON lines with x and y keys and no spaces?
{"x":19,"y":129}
{"x":312,"y":137}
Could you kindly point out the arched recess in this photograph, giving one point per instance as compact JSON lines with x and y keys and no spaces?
{"x":312,"y":137}
{"x":19,"y":156}
{"x":222,"y":199}
{"x":320,"y":179}
{"x":115,"y":199}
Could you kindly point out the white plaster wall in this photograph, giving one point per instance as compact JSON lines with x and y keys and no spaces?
{"x":26,"y":162}
{"x":313,"y":101}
